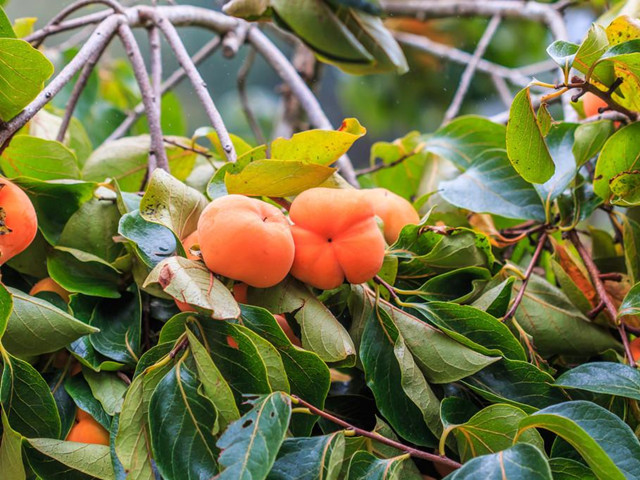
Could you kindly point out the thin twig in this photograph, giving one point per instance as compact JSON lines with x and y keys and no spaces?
{"x":382,"y":166}
{"x":470,"y":70}
{"x":199,"y":151}
{"x":414,"y":452}
{"x":156,"y":69}
{"x":527,"y":275}
{"x":380,"y":281}
{"x":503,"y":90}
{"x":585,"y":87}
{"x":603,"y":295}
{"x":102,"y":35}
{"x":157,"y":153}
{"x":39,"y":35}
{"x":169,"y":84}
{"x":243,"y":73}
{"x":233,"y":40}
{"x":199,"y":85}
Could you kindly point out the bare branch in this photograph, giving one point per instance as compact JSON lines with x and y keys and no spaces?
{"x":243,"y":73}
{"x":39,"y":35}
{"x":98,"y":40}
{"x":174,"y":41}
{"x":469,"y":72}
{"x":156,"y":69}
{"x":233,"y":40}
{"x":157,"y":153}
{"x":503,"y":90}
{"x":170,"y":83}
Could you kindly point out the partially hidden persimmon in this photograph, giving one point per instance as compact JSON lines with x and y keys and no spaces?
{"x":336,"y":237}
{"x":240,"y":292}
{"x":48,"y":284}
{"x":18,"y":220}
{"x":394,"y":211}
{"x":246,"y":239}
{"x":286,"y":328}
{"x":635,"y":349}
{"x":188,"y":243}
{"x":591,"y":104}
{"x":87,"y":430}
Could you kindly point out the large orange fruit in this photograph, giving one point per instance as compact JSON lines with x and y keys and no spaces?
{"x":18,"y":221}
{"x":395,"y":211}
{"x":48,"y":284}
{"x":246,"y":239}
{"x":336,"y":237}
{"x":88,"y":430}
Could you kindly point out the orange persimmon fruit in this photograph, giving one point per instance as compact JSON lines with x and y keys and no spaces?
{"x":394,"y":211}
{"x":246,"y":239}
{"x":88,"y":430}
{"x":48,"y":284}
{"x":635,"y":349}
{"x":336,"y":237}
{"x":286,"y":328}
{"x":591,"y":103}
{"x":188,"y":243}
{"x":18,"y":220}
{"x":240,"y":292}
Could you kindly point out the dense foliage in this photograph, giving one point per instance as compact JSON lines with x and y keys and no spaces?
{"x":497,"y":340}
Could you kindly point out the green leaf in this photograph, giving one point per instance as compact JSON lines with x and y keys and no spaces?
{"x":603,"y":377}
{"x":79,"y":390}
{"x":181,"y":421}
{"x":171,"y":203}
{"x":366,"y":466}
{"x":276,"y":178}
{"x":592,"y":48}
{"x":55,"y":202}
{"x":589,"y":140}
{"x":631,"y":244}
{"x":125,"y":160}
{"x":465,"y":139}
{"x":52,"y":459}
{"x":517,"y":383}
{"x":6,"y":307}
{"x":250,"y":445}
{"x":309,"y":458}
{"x":495,"y":299}
{"x":11,"y":446}
{"x":567,"y":469}
{"x":619,"y":154}
{"x":520,"y":462}
{"x":23,"y":71}
{"x":27,"y":400}
{"x":153,"y":242}
{"x":6,"y":30}
{"x":81,"y":272}
{"x":560,"y":143}
{"x":491,"y":185}
{"x":214,"y":385}
{"x":36,"y":326}
{"x":191,"y":282}
{"x":321,"y":147}
{"x":108,"y":389}
{"x":491,"y":430}
{"x":563,"y":52}
{"x":625,"y":188}
{"x":605,"y":442}
{"x":526,"y":147}
{"x":556,"y":325}
{"x":320,"y":330}
{"x":631,"y":303}
{"x":38,"y":158}
{"x":119,"y":322}
{"x":308,"y":375}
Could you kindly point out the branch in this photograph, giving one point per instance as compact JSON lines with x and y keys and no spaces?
{"x":585,"y":87}
{"x":199,"y":85}
{"x":156,"y":69}
{"x":98,"y":40}
{"x":527,"y":275}
{"x":170,"y":83}
{"x":382,"y":166}
{"x":157,"y":153}
{"x":243,"y":73}
{"x":39,"y":35}
{"x":377,"y":437}
{"x":503,"y":89}
{"x":603,"y":295}
{"x":469,"y":72}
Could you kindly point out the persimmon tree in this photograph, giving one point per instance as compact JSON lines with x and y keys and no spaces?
{"x":203,"y":305}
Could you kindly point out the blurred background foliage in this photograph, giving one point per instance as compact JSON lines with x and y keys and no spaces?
{"x":386,"y":104}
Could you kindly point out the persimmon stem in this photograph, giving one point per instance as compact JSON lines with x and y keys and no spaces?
{"x":414,"y":452}
{"x":603,"y":295}
{"x":527,"y":275}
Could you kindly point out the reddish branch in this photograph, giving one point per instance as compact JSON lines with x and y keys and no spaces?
{"x":527,"y":275}
{"x":603,"y":295}
{"x":586,"y":87}
{"x":414,"y":452}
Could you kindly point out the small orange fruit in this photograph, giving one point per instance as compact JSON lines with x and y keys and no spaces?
{"x":591,"y":103}
{"x":395,"y":211}
{"x":336,"y":237}
{"x":635,"y":349}
{"x":48,"y":284}
{"x":18,"y":220}
{"x":188,"y":243}
{"x":246,"y":239}
{"x":88,"y":430}
{"x":184,"y":306}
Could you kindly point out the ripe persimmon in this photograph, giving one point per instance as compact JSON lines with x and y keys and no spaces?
{"x":635,"y":349}
{"x":286,"y":328}
{"x":336,"y":237}
{"x":18,"y":220}
{"x":591,"y":103}
{"x":246,"y":239}
{"x":394,"y":211}
{"x":184,"y":306}
{"x":188,"y":243}
{"x":88,"y":430}
{"x":240,"y":292}
{"x":48,"y":284}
